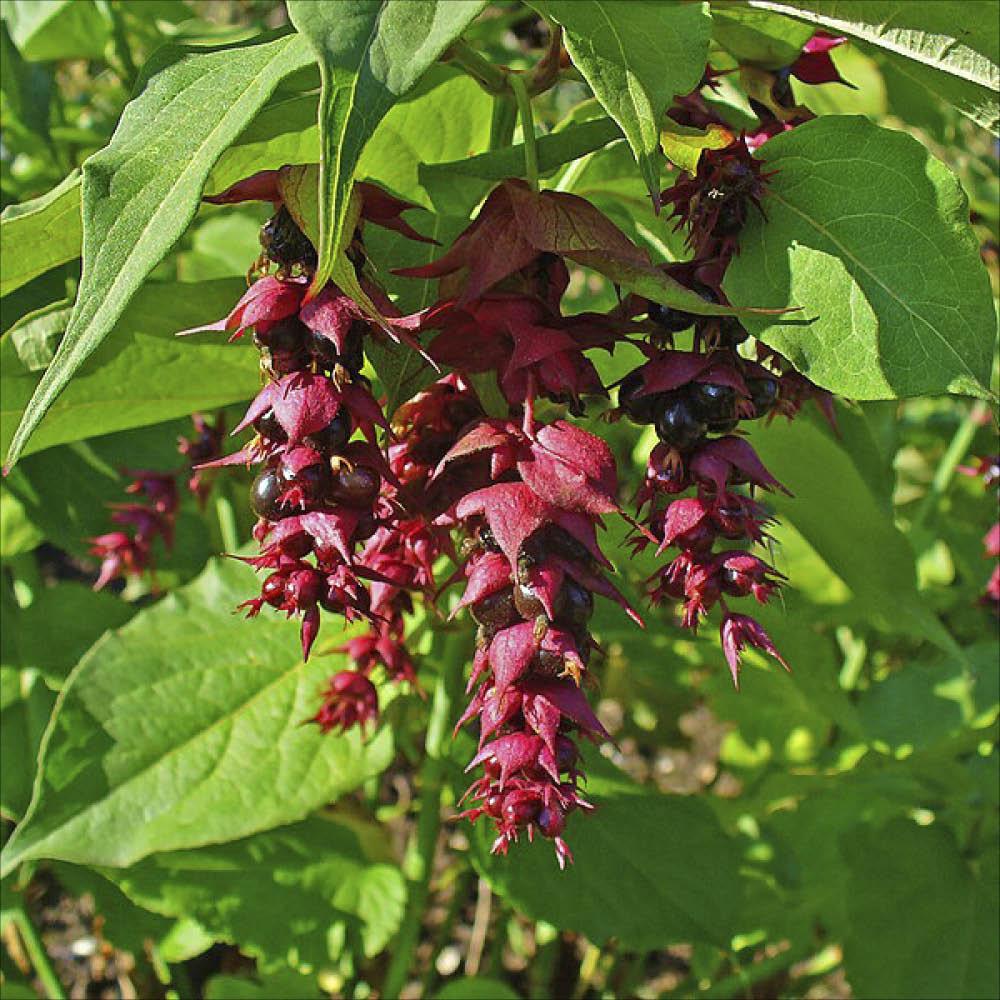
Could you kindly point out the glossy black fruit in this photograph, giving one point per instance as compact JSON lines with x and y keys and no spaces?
{"x":671,"y":320}
{"x":267,"y":426}
{"x":640,"y":409}
{"x":265,"y":493}
{"x":357,"y":487}
{"x":763,"y":394}
{"x":333,"y":438}
{"x":574,"y":605}
{"x":723,"y":426}
{"x":287,"y":336}
{"x":711,"y":402}
{"x":284,"y":243}
{"x":528,"y":601}
{"x":496,"y":611}
{"x":677,"y":424}
{"x":730,"y":219}
{"x":312,"y":480}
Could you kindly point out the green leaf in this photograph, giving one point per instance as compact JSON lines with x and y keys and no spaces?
{"x":143,"y":373}
{"x":36,"y":336}
{"x":138,"y":198}
{"x":947,"y":944}
{"x":759,"y":37}
{"x":446,"y":117}
{"x":475,"y":988}
{"x":124,"y":924}
{"x":17,"y":531}
{"x":870,"y":236}
{"x":952,"y":50}
{"x":683,"y":146}
{"x":284,"y":983}
{"x":40,"y":234}
{"x":183,"y":729}
{"x":841,"y":506}
{"x":244,"y":892}
{"x":630,"y":880}
{"x":45,"y":30}
{"x":636,"y":57}
{"x":371,"y":52}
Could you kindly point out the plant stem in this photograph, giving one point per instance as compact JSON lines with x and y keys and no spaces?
{"x":527,"y":128}
{"x":227,"y":517}
{"x":503,"y":121}
{"x":38,"y":955}
{"x":491,"y":78}
{"x":946,"y":467}
{"x":419,"y":862}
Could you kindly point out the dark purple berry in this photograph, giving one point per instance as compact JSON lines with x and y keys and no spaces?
{"x":357,"y":487}
{"x":723,"y":426}
{"x":273,"y":590}
{"x":496,"y":610}
{"x":730,"y":219}
{"x":677,"y":425}
{"x":284,"y":243}
{"x":267,"y":426}
{"x":527,"y":601}
{"x":333,"y":438}
{"x":265,"y":495}
{"x":712,"y":403}
{"x":763,"y":394}
{"x":574,"y":604}
{"x":287,"y":336}
{"x":640,"y":409}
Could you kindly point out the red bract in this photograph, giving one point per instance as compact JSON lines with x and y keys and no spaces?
{"x":737,"y":632}
{"x":814,"y":65}
{"x":514,"y":228}
{"x":349,"y":700}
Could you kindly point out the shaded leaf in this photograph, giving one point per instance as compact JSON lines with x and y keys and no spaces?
{"x":246,"y":891}
{"x":635,"y":80}
{"x":870,"y":236}
{"x":183,"y":728}
{"x":758,"y":36}
{"x":947,"y":945}
{"x":650,"y":868}
{"x":45,"y":30}
{"x":475,"y":988}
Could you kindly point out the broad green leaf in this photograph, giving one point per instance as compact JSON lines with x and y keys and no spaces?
{"x":870,"y":236}
{"x":27,"y":86}
{"x":46,"y":30}
{"x":636,"y":57}
{"x":143,"y":373}
{"x":141,"y":191}
{"x":759,"y":37}
{"x":947,"y":944}
{"x":40,"y":234}
{"x":841,"y":506}
{"x":650,"y":868}
{"x":475,"y":988}
{"x":183,"y":729}
{"x":371,"y":52}
{"x":950,"y":49}
{"x":683,"y":146}
{"x":244,"y":892}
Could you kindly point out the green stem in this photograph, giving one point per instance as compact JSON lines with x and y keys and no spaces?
{"x":957,"y":450}
{"x":419,"y":862}
{"x":491,"y":78}
{"x":527,"y":128}
{"x":226,"y":517}
{"x":741,"y":982}
{"x":503,"y":121}
{"x":38,"y":955}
